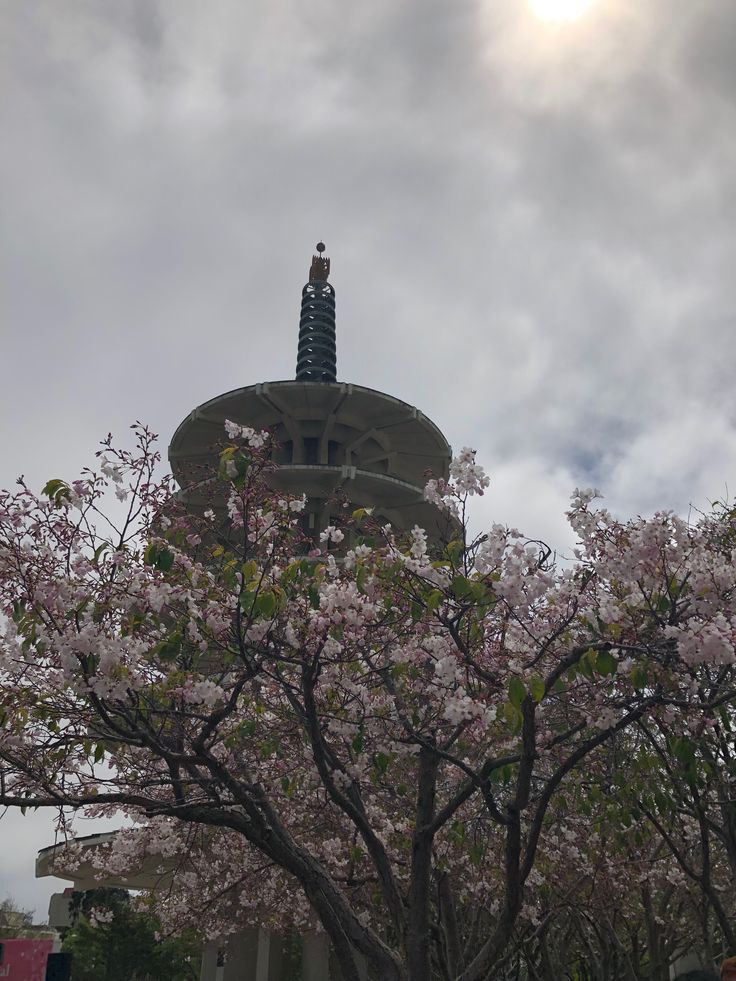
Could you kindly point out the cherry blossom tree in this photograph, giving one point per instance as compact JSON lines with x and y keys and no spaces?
{"x":372,"y":735}
{"x":607,"y":899}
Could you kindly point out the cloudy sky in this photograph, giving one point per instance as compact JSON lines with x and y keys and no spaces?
{"x":531,"y":226}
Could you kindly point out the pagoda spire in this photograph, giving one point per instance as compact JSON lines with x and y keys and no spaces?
{"x":316,"y":359}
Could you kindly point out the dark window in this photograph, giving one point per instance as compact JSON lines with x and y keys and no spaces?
{"x":284,"y":452}
{"x":311,"y":449}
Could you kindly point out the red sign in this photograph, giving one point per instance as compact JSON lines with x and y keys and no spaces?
{"x":24,"y":960}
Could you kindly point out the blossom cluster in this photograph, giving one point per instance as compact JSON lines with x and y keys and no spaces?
{"x":252,"y":437}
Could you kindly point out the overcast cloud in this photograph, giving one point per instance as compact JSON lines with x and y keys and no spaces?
{"x":531,"y":229}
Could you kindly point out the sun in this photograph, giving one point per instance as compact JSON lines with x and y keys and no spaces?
{"x":559,"y":9}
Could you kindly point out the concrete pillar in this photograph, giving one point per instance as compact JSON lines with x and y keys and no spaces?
{"x":684,"y":964}
{"x":208,"y":971}
{"x":276,"y":957}
{"x":315,"y":957}
{"x":60,"y":910}
{"x":241,"y":956}
{"x":254,"y":955}
{"x":263,"y":956}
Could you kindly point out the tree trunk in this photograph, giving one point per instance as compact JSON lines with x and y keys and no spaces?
{"x":417,"y":941}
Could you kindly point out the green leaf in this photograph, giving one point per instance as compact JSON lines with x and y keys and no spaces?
{"x":246,"y":601}
{"x":99,"y":752}
{"x":454,"y":550}
{"x":536,"y":687}
{"x":266,"y":604}
{"x":606,"y":663}
{"x":57,"y":490}
{"x":434,"y":600}
{"x":358,"y":742}
{"x":460,"y":587}
{"x":683,"y":749}
{"x":517,"y":692}
{"x":457,"y":832}
{"x":165,"y":560}
{"x":512,"y":715}
{"x":661,"y":603}
{"x":99,"y":551}
{"x":242,"y":462}
{"x":170,"y":648}
{"x":585,"y":666}
{"x":160,"y":558}
{"x":639,"y":677}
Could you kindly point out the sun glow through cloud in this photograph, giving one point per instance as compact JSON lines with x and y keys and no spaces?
{"x":559,"y":9}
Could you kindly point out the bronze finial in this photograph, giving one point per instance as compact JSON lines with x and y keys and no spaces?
{"x":320,"y":268}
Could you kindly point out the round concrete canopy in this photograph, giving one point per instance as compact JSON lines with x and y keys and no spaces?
{"x":329,"y":435}
{"x":74,"y":861}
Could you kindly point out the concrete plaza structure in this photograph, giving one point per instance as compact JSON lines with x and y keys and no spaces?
{"x":334,"y":440}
